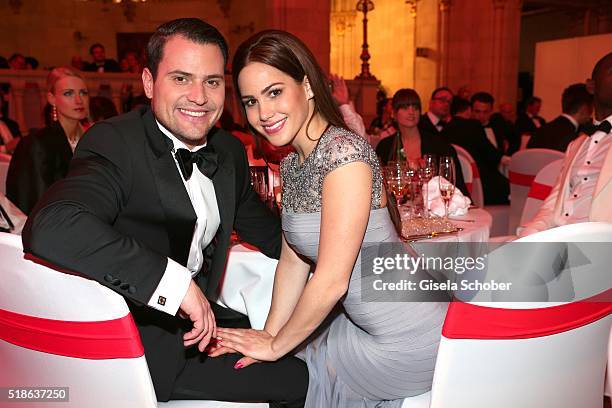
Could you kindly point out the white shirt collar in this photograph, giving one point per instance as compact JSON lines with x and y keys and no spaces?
{"x":434,"y":119}
{"x":571,"y":119}
{"x":609,"y":119}
{"x":178,"y":144}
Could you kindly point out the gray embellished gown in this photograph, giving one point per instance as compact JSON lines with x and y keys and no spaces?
{"x":373,"y":354}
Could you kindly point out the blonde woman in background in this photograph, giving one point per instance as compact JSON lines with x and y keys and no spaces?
{"x":43,"y":158}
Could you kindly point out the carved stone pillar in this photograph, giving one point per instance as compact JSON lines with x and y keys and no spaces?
{"x":443,"y":41}
{"x":413,"y":16}
{"x":497,"y":52}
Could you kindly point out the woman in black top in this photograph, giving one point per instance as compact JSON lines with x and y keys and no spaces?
{"x":411,"y":143}
{"x":43,"y":158}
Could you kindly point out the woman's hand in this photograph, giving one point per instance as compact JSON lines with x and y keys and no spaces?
{"x":256,"y":344}
{"x":215,"y":350}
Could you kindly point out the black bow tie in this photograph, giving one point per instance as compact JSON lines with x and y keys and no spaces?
{"x":604,"y":126}
{"x":206,"y":158}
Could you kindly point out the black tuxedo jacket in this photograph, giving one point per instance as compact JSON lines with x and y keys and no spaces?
{"x":39,"y":161}
{"x":425,"y":125}
{"x":430,"y":144}
{"x":555,"y":135}
{"x":110,"y":65}
{"x":505,"y":132}
{"x":524,"y":124}
{"x":123,"y":210}
{"x":470,"y":135}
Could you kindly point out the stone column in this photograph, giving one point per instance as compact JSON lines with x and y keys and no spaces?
{"x":443,"y":41}
{"x":497,"y":52}
{"x":413,"y":17}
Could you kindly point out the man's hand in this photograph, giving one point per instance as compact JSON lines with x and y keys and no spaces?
{"x":196,"y":308}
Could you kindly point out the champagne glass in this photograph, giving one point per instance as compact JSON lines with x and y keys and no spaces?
{"x":430,"y":162}
{"x":446,"y":181}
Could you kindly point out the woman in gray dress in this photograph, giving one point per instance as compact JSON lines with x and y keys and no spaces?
{"x":373,"y":354}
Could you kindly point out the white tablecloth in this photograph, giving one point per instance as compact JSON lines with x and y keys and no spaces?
{"x":247,"y":285}
{"x":249,"y":277}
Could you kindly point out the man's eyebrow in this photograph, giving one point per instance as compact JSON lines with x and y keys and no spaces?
{"x":263,"y":91}
{"x":179,"y":72}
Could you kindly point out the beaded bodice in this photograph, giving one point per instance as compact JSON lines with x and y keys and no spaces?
{"x":303,"y":183}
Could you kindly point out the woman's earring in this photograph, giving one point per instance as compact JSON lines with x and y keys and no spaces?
{"x":54,"y":113}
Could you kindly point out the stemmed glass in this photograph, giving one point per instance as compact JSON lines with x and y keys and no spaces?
{"x":446,"y":181}
{"x":430,"y":162}
{"x":397,"y":181}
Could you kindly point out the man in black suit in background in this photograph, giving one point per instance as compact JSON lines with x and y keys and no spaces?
{"x":469,"y":134}
{"x":577,"y":108}
{"x":147,"y":209}
{"x":100,"y":62}
{"x":438,"y":115}
{"x":504,"y":120}
{"x":529,"y":121}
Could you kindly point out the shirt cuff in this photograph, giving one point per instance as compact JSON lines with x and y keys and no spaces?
{"x":171,"y":288}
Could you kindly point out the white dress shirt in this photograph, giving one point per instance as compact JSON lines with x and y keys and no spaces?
{"x":174,"y":283}
{"x":583,"y":176}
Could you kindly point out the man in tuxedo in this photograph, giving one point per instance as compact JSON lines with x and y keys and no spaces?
{"x":438,"y":115}
{"x":527,"y":122}
{"x":469,"y":134}
{"x":100,"y":62}
{"x":482,"y":110}
{"x":504,"y":120}
{"x":583,"y":191}
{"x":577,"y":107}
{"x":147,"y":209}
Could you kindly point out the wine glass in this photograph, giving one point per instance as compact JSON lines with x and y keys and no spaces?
{"x":446,"y":181}
{"x":430,"y":162}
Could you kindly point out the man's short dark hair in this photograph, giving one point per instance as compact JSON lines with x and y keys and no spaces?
{"x":574,"y":97}
{"x":532,"y":100}
{"x":94,"y":46}
{"x":459,"y":105}
{"x":192,"y":29}
{"x":440,"y":89}
{"x":482,"y":97}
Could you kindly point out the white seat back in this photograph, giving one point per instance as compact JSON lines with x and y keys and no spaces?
{"x":466,"y":160}
{"x":32,"y":289}
{"x":532,"y":368}
{"x":539,"y":190}
{"x":524,"y":166}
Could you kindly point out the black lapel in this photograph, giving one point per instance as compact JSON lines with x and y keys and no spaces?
{"x":224,"y":181}
{"x":180,"y":215}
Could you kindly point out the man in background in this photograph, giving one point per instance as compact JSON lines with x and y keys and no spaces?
{"x":100,"y":62}
{"x":434,"y":120}
{"x":528,"y":121}
{"x":577,"y":108}
{"x":583,"y":191}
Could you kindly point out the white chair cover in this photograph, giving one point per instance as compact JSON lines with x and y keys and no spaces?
{"x":30,"y":288}
{"x":546,"y":177}
{"x":564,"y":369}
{"x":524,"y":166}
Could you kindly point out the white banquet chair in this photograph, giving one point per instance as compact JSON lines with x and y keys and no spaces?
{"x":524,"y":166}
{"x":541,"y":187}
{"x":61,"y":329}
{"x":525,"y":354}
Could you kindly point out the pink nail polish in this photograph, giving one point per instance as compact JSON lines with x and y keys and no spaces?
{"x":238,"y":365}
